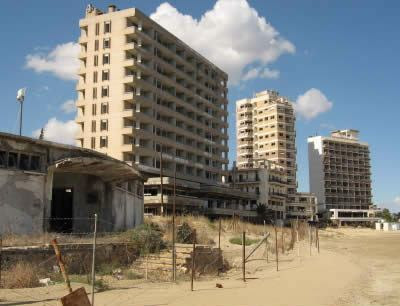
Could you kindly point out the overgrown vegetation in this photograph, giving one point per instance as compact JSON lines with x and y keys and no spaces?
{"x":185,"y":234}
{"x":21,"y":275}
{"x":239,"y":240}
{"x":148,"y":238}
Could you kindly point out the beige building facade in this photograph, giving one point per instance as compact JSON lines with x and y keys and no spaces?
{"x":265,"y":127}
{"x":340,"y":171}
{"x":142,"y":91}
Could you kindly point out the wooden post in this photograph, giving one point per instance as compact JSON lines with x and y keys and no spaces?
{"x":161,"y":182}
{"x":1,"y":256}
{"x":219,"y":242}
{"x":283,"y":240}
{"x":193,"y":259}
{"x":173,"y":231}
{"x":94,"y":257}
{"x":266,"y":247}
{"x":317,"y":240}
{"x":276,"y":248}
{"x":61,"y":264}
{"x":297,"y":237}
{"x":244,"y":256}
{"x":310,"y":236}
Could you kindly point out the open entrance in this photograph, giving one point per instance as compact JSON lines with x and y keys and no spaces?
{"x":61,"y":210}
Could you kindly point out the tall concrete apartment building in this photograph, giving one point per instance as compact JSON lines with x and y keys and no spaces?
{"x":265,"y":127}
{"x":142,"y":90}
{"x":340,"y":172}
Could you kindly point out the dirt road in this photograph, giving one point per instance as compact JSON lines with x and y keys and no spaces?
{"x":355,"y":267}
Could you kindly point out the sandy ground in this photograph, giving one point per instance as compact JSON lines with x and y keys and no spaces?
{"x":354,"y":267}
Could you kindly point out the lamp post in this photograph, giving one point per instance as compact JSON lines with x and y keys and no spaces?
{"x":20,"y":98}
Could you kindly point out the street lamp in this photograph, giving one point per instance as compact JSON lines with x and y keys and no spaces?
{"x":20,"y":98}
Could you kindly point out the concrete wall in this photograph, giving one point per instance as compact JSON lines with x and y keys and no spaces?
{"x":22,"y":202}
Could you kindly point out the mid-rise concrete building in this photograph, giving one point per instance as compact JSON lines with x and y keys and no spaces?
{"x":302,"y":205}
{"x":340,"y":172}
{"x":265,"y":127}
{"x":141,"y":90}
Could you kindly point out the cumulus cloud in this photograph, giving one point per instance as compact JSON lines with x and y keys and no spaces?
{"x":232,"y":35}
{"x":397,"y":200}
{"x":62,"y":61}
{"x":59,"y":131}
{"x":312,"y":103}
{"x":68,"y":107}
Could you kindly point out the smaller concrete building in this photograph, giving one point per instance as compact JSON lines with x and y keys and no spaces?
{"x":46,"y":186}
{"x":302,"y":205}
{"x":353,"y":216}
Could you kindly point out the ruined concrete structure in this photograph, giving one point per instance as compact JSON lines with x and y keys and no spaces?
{"x":46,"y":186}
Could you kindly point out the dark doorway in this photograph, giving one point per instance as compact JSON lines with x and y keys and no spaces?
{"x":61,"y":210}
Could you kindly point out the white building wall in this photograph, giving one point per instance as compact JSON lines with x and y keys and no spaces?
{"x":316,"y":166}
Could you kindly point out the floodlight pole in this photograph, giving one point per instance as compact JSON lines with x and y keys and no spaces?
{"x":21,"y":103}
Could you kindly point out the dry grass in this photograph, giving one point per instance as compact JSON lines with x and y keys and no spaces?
{"x":21,"y":275}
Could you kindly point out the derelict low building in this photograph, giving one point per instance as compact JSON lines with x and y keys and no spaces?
{"x":47,"y":186}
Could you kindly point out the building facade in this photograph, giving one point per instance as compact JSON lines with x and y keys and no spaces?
{"x":45,"y":186}
{"x":142,"y":91}
{"x":340,"y":171}
{"x":302,"y":205}
{"x":265,"y":127}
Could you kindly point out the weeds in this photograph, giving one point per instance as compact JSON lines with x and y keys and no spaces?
{"x":239,"y":240}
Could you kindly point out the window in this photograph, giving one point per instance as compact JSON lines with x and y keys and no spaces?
{"x":106,"y":58}
{"x":105,"y":75}
{"x":94,"y":93}
{"x":96,"y":45}
{"x":24,"y":162}
{"x":104,"y":108}
{"x":103,"y":142}
{"x":107,"y":27}
{"x":96,"y":61}
{"x":95,"y":77}
{"x":93,"y":125}
{"x":104,"y":91}
{"x":12,"y":160}
{"x":35,"y":163}
{"x":93,"y":142}
{"x":106,"y":43}
{"x":3,"y":156}
{"x":97,"y":30}
{"x":104,"y":125}
{"x":94,"y":108}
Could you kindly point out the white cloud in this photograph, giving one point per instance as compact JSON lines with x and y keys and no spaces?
{"x":312,"y":103}
{"x":68,"y":107}
{"x":62,"y":61}
{"x":232,"y":35}
{"x":261,"y":73}
{"x":397,"y":200}
{"x":59,"y":131}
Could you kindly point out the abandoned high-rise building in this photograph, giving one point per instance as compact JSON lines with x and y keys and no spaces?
{"x":340,"y":172}
{"x":142,"y":90}
{"x":265,"y":127}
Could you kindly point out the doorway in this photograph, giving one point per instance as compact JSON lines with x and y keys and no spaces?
{"x":61,"y":210}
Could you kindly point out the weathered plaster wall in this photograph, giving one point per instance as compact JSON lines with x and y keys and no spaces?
{"x":21,"y":202}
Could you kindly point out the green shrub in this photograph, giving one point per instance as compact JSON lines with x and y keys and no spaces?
{"x":148,"y":238}
{"x":238,"y":240}
{"x":185,"y":233}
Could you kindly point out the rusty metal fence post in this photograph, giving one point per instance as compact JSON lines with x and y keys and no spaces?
{"x":94,"y":257}
{"x":244,"y":256}
{"x":193,"y":259}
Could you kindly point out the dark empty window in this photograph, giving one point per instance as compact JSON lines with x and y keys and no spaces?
{"x":107,"y":27}
{"x":24,"y":162}
{"x":12,"y":160}
{"x":3,"y":160}
{"x":35,"y":163}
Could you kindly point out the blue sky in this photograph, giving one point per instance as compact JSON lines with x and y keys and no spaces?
{"x":348,"y":50}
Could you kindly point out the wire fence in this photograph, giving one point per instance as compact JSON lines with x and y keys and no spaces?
{"x":99,"y":260}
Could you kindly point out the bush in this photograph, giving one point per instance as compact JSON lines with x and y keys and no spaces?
{"x":185,"y":233}
{"x":148,"y":238}
{"x":131,"y":275}
{"x":21,"y":275}
{"x":238,"y":240}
